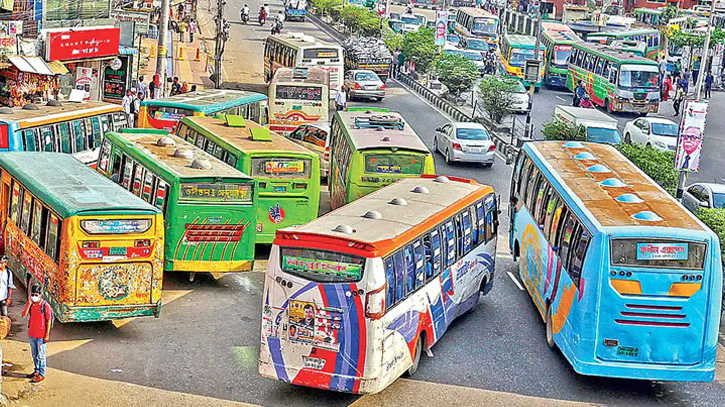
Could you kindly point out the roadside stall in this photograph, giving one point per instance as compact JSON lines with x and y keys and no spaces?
{"x":26,"y":80}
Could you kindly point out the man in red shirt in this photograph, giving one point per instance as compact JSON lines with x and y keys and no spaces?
{"x":41,"y":316}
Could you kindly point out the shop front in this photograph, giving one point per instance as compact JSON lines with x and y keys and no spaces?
{"x":26,"y":80}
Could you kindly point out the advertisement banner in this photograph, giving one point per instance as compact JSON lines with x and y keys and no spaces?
{"x":86,"y":79}
{"x":80,"y":44}
{"x":441,"y":27}
{"x":692,"y":133}
{"x":115,"y":80}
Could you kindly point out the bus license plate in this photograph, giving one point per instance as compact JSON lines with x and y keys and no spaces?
{"x":282,"y":188}
{"x":117,"y":251}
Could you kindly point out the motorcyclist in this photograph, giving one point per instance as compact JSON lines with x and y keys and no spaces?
{"x":262,"y":15}
{"x":244,"y":12}
{"x":579,"y":93}
{"x":279,"y":17}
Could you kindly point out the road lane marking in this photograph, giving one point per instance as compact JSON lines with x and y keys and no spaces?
{"x":560,"y":98}
{"x":515,"y":280}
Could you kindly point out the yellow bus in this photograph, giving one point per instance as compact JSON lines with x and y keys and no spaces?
{"x":298,"y":96}
{"x":95,"y":249}
{"x":515,"y":50}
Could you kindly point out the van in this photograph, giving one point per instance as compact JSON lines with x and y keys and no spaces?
{"x":598,"y":126}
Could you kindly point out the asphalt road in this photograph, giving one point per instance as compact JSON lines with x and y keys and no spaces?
{"x":207,"y":339}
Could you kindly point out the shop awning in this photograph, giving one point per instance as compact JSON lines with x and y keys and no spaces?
{"x":31,"y":65}
{"x":123,"y":50}
{"x":57,"y":67}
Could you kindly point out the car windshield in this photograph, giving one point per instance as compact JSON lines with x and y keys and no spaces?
{"x":453,"y":52}
{"x":409,"y":20}
{"x":603,"y":135}
{"x":473,"y":56}
{"x":561,"y":54}
{"x":477,"y":45}
{"x":639,"y":76}
{"x":484,"y":26}
{"x":520,"y":55}
{"x":472,"y":133}
{"x":453,"y":39}
{"x":718,"y":200}
{"x":665,"y":129}
{"x":366,"y":76}
{"x":515,"y":86}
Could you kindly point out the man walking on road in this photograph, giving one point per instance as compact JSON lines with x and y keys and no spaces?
{"x":41,"y":316}
{"x":709,"y":79}
{"x":341,"y":98}
{"x":127,"y":104}
{"x":143,"y":88}
{"x":6,"y":286}
{"x":175,"y":87}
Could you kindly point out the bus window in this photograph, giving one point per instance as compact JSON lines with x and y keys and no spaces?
{"x":14,"y":203}
{"x":409,"y":269}
{"x":105,"y":124}
{"x":78,"y":135}
{"x":451,"y":243}
{"x":105,"y":156}
{"x":63,"y":134}
{"x":137,"y":179}
{"x":467,"y":232}
{"x":435,"y":240}
{"x":390,"y":278}
{"x":399,"y":276}
{"x":200,"y":141}
{"x":559,"y":216}
{"x":537,"y":196}
{"x":581,"y":243}
{"x":38,"y":226}
{"x":46,"y":138}
{"x":551,"y":206}
{"x":530,"y":199}
{"x":231,"y":160}
{"x":444,"y":247}
{"x":162,"y":188}
{"x":52,"y":241}
{"x":127,"y":174}
{"x":94,"y":138}
{"x":419,"y":263}
{"x":491,"y":218}
{"x":474,"y":225}
{"x":26,"y":210}
{"x":481,"y":218}
{"x":148,"y":185}
{"x":29,"y":139}
{"x":565,"y":241}
{"x":541,"y":200}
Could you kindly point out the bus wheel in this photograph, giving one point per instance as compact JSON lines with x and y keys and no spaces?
{"x":416,"y":356}
{"x":549,"y":329}
{"x":608,"y":105}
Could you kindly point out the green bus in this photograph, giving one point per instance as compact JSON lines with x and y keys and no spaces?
{"x":287,"y":174}
{"x":618,"y":81}
{"x":371,"y":149}
{"x":515,"y":50}
{"x":208,"y":206}
{"x":649,"y":36}
{"x":558,"y":39}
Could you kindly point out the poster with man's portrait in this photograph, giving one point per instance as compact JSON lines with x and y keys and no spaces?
{"x":692,"y":133}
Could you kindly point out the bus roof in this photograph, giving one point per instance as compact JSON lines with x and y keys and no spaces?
{"x":314,"y":75}
{"x":364,"y":138}
{"x":476,"y":12}
{"x":208,"y":101}
{"x":621,"y":56}
{"x":522,"y":41}
{"x":300,"y":40}
{"x":240,"y":138}
{"x":376,"y":221}
{"x":142,"y":145}
{"x":47,"y":114}
{"x":563,"y":36}
{"x":624,"y":33}
{"x":610,"y":205}
{"x":553,"y":25}
{"x":68,"y":186}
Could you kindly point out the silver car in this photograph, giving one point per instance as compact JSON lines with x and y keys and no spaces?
{"x":364,"y":84}
{"x":464,"y":142}
{"x":703,"y":195}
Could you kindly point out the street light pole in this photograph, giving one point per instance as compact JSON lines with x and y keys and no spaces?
{"x":163,"y":51}
{"x":529,"y":129}
{"x":698,"y":87}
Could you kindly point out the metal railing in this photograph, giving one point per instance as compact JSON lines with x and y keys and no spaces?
{"x":437,"y":101}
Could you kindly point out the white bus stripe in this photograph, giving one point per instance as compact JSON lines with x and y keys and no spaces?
{"x":515,"y":281}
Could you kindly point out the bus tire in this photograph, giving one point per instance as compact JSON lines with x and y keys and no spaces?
{"x":416,"y":356}
{"x":608,"y":106}
{"x":549,"y":329}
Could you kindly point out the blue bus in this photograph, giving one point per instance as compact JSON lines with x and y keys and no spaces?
{"x":627,"y":281}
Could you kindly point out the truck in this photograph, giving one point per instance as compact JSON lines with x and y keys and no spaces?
{"x":295,"y":10}
{"x":597,"y":127}
{"x":367,"y":53}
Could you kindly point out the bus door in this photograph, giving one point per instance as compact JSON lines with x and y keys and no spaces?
{"x":314,"y":317}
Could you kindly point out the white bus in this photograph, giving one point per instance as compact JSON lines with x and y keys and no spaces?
{"x":299,"y":50}
{"x":475,"y":27}
{"x":298,"y":96}
{"x":353,"y":298}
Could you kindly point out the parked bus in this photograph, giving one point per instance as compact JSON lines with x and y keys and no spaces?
{"x":649,"y":36}
{"x":287,"y":174}
{"x":299,"y":96}
{"x":369,"y":150}
{"x":628,"y":282}
{"x":515,"y":50}
{"x":72,"y":128}
{"x":293,"y":50}
{"x":618,"y":81}
{"x":415,"y":254}
{"x":209,"y":207}
{"x":558,"y":39}
{"x":95,"y":249}
{"x":477,"y":24}
{"x":165,"y":113}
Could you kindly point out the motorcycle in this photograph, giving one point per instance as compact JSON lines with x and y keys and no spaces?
{"x":262,"y":18}
{"x":276,"y":27}
{"x":586,"y":102}
{"x":244,"y":17}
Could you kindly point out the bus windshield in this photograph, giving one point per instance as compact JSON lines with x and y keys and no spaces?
{"x":115,"y":226}
{"x":639,"y":76}
{"x":603,"y":135}
{"x":298,"y":92}
{"x":279,"y":167}
{"x":484,"y":26}
{"x":477,"y":45}
{"x":520,"y":55}
{"x":409,"y":20}
{"x":407,"y":164}
{"x":561,"y":54}
{"x":322,"y":266}
{"x":658,"y":253}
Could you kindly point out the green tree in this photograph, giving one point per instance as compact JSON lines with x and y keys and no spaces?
{"x":559,"y":130}
{"x":327,"y":6}
{"x":457,"y":72}
{"x":494,"y":95}
{"x":658,"y":165}
{"x":715,"y":220}
{"x":392,"y":40}
{"x":419,"y":48}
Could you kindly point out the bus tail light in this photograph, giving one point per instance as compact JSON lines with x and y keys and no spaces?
{"x":457,"y":146}
{"x":91,"y":244}
{"x":142,"y":243}
{"x":299,"y":186}
{"x":375,"y":303}
{"x":492,"y":147}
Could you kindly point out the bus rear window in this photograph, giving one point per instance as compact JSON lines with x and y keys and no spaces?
{"x":216,"y":192}
{"x":322,"y":266}
{"x":115,"y":226}
{"x":299,"y":92}
{"x":169,"y":113}
{"x":280,"y":168}
{"x":320,"y":53}
{"x":406,"y":164}
{"x":658,"y":253}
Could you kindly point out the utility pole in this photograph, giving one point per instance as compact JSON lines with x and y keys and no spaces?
{"x":163,"y":51}
{"x":529,"y":129}
{"x":698,"y":86}
{"x":219,"y":45}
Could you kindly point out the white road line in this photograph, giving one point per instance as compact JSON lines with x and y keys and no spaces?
{"x":515,"y":281}
{"x":560,"y":98}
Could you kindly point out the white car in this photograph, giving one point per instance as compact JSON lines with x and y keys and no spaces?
{"x":519,"y":95}
{"x":652,"y":131}
{"x":464,"y":142}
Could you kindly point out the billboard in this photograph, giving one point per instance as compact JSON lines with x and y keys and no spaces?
{"x":82,"y":43}
{"x":692,"y":133}
{"x":441,"y":27}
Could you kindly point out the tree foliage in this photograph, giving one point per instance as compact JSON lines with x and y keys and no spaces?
{"x":683,"y":39}
{"x":391,"y":39}
{"x":715,"y":220}
{"x":361,"y":20}
{"x":327,"y":6}
{"x":495,"y":97}
{"x":457,"y":72}
{"x":559,"y":130}
{"x":658,"y":165}
{"x":419,"y":47}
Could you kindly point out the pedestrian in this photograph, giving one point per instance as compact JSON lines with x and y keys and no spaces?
{"x":396,"y":63}
{"x":193,"y":88}
{"x":679,"y":97}
{"x":401,"y":61}
{"x":184,"y":87}
{"x":686,"y":79}
{"x":192,"y":29}
{"x":175,"y":87}
{"x":341,"y":98}
{"x":127,"y":105}
{"x":709,"y":79}
{"x":695,"y":70}
{"x":180,"y":12}
{"x":6,"y":286}
{"x":142,"y":87}
{"x":666,"y":88}
{"x":136,"y":107}
{"x":182,"y":30}
{"x":41,"y":317}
